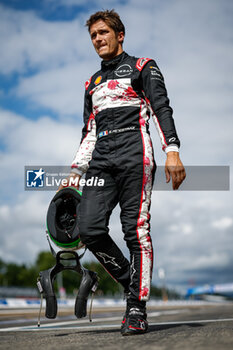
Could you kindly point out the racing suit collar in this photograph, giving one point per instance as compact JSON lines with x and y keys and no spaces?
{"x":114,"y":61}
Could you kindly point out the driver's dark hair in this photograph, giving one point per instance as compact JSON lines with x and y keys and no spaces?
{"x":110,"y":17}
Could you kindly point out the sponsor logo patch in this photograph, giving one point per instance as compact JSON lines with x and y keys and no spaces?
{"x":98,"y":80}
{"x":124,"y":70}
{"x":156,"y":72}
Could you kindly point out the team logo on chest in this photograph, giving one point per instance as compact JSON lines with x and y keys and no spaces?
{"x":124,"y":70}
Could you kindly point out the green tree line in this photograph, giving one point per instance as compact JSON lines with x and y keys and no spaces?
{"x":22,"y":275}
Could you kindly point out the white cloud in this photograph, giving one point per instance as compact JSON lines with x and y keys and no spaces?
{"x":186,"y":242}
{"x":223,"y":223}
{"x":61,"y":89}
{"x":183,"y":228}
{"x":211,"y":259}
{"x":22,"y":226}
{"x":41,"y":142}
{"x":30,"y":42}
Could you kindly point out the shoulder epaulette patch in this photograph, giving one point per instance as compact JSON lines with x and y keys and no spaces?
{"x":87,"y":83}
{"x":141,"y":62}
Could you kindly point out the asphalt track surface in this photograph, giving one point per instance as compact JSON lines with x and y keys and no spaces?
{"x":201,"y":326}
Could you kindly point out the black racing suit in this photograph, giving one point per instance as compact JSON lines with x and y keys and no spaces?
{"x":116,"y":147}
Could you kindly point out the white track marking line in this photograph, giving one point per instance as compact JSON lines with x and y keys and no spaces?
{"x":52,"y":326}
{"x":96,"y":320}
{"x":96,"y":327}
{"x":56,"y":325}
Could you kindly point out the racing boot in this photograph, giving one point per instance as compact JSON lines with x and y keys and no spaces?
{"x":135,"y":319}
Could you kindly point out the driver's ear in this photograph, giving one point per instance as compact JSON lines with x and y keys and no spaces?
{"x":121,"y":37}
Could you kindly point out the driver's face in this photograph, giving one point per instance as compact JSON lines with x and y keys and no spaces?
{"x":106,"y":42}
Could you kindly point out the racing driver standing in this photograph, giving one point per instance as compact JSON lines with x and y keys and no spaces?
{"x":116,"y":147}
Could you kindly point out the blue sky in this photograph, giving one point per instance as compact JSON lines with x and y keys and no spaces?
{"x":46,"y":56}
